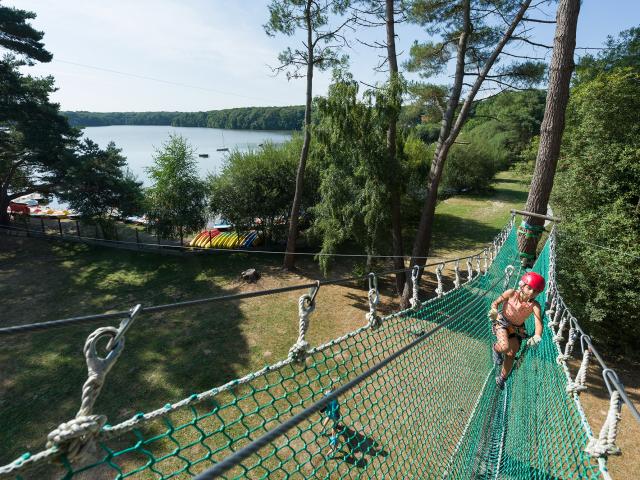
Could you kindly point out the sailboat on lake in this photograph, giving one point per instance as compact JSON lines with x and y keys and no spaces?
{"x":223,"y":148}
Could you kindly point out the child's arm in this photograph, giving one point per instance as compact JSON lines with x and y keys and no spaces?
{"x":537,"y":314}
{"x":493,"y":313}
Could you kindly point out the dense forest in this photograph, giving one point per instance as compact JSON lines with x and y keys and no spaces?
{"x":250,"y":118}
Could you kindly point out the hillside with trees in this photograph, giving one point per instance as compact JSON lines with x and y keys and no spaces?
{"x":250,"y":118}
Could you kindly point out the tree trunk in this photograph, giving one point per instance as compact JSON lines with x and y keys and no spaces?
{"x":422,"y":242}
{"x":552,"y":127}
{"x":394,"y":167}
{"x":449,"y":130}
{"x":289,"y":258}
{"x":4,"y":216}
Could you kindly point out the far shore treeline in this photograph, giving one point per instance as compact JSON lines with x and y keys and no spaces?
{"x":249,"y":118}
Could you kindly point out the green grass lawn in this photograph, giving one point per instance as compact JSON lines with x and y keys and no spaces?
{"x":173,"y":354}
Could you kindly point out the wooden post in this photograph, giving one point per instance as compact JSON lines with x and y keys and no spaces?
{"x":60,"y":226}
{"x":181,"y":237}
{"x":209,"y":237}
{"x":137,"y":238}
{"x":78,"y":228}
{"x":42,"y":224}
{"x":115,"y":229}
{"x":96,"y":231}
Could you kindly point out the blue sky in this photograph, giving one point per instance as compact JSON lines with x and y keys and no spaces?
{"x":193,"y":55}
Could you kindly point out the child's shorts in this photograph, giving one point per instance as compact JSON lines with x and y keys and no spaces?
{"x":513,"y":331}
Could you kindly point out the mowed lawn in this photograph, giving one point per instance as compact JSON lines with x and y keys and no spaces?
{"x":173,"y":354}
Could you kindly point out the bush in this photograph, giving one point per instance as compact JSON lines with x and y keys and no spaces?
{"x":597,"y":191}
{"x":469,"y":166}
{"x":176,"y":200}
{"x":260,"y":184}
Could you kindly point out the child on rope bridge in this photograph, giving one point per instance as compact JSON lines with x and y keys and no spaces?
{"x":508,"y":325}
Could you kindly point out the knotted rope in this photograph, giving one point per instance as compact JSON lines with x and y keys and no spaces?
{"x":605,"y":444}
{"x":508,"y":271}
{"x":456,"y":281}
{"x":373,"y":320}
{"x":578,"y":385}
{"x":415,"y":300}
{"x":440,"y":287}
{"x":469,"y":270}
{"x":306,"y":305}
{"x":485,"y":258}
{"x":76,"y":438}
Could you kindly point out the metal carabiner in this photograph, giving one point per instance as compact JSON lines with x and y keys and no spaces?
{"x":125,"y":325}
{"x":313,"y":291}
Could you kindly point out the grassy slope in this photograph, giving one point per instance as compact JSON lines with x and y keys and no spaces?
{"x":171,"y":355}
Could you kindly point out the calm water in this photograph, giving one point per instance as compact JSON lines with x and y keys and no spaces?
{"x":139,"y":143}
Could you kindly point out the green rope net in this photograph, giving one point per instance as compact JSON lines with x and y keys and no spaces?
{"x":434,"y":412}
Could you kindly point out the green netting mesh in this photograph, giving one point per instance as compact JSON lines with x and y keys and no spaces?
{"x":435,"y":412}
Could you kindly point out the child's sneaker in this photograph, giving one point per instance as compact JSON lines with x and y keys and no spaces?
{"x":497,"y":357}
{"x":500,"y":381}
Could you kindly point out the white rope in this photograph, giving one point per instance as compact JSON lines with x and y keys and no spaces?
{"x":553,"y":324}
{"x":373,"y":320}
{"x":306,"y":305}
{"x":563,"y":323}
{"x":508,"y":270}
{"x":439,"y":288}
{"x":77,"y":437}
{"x":469,"y":270}
{"x":478,"y":270}
{"x":485,"y":257}
{"x":578,"y":385}
{"x":605,"y":445}
{"x":415,"y":300}
{"x":573,"y":335}
{"x":456,"y":281}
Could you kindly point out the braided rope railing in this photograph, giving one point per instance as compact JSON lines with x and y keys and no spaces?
{"x":605,"y":444}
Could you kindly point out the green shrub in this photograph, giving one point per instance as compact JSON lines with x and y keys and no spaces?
{"x":260,"y":184}
{"x":597,"y":191}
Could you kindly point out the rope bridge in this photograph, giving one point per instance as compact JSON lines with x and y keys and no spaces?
{"x":412,"y":395}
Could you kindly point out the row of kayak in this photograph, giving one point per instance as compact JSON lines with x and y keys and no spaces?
{"x":219,"y":239}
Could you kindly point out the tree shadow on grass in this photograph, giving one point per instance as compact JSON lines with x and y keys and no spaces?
{"x":167,"y":356}
{"x":356,"y":447}
{"x":455,"y":233}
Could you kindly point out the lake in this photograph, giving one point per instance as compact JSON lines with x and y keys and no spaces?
{"x":139,"y":143}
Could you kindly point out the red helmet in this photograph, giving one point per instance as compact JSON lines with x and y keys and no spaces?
{"x":534,"y":280}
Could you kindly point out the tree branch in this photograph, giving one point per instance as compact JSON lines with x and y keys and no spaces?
{"x":508,"y":85}
{"x":464,"y":111}
{"x":522,"y":56}
{"x":526,"y":40}
{"x":537,"y":20}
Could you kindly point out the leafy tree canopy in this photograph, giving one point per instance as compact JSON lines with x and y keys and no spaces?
{"x":260,"y":184}
{"x":98,"y":185}
{"x":351,"y":155}
{"x":17,"y":36}
{"x":176,"y":202}
{"x":623,"y":51}
{"x":36,"y":142}
{"x":597,"y":192}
